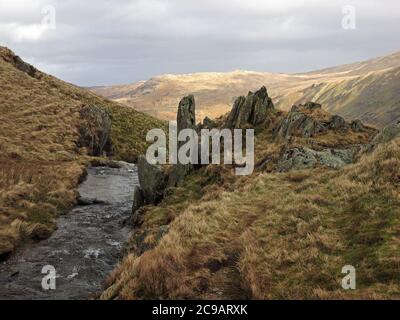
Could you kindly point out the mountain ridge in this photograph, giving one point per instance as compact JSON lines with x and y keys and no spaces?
{"x":338,"y":89}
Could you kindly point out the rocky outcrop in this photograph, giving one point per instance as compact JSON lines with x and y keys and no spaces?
{"x":152,"y":181}
{"x":18,"y":63}
{"x":337,"y":123}
{"x":305,"y":158}
{"x":386,"y":135}
{"x":24,"y":67}
{"x":298,"y":123}
{"x":302,"y":122}
{"x":251,"y":110}
{"x":186,"y":118}
{"x":178,"y":173}
{"x":312,"y":106}
{"x":358,"y":126}
{"x":208,"y":123}
{"x":95,"y":130}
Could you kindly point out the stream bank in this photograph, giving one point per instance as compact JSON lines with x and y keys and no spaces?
{"x":86,"y":246}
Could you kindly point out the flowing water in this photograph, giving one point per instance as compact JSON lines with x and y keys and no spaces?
{"x":85,"y":248}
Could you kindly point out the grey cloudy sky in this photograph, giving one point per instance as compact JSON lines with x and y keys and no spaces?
{"x":102,"y":42}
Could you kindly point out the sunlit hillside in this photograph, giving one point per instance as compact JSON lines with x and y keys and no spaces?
{"x":368,"y":90}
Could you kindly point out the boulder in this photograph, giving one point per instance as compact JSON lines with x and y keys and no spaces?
{"x":387,"y":134}
{"x":297,"y":159}
{"x":295,"y":108}
{"x":24,"y":67}
{"x":95,"y":130}
{"x":305,"y":158}
{"x":312,"y":106}
{"x":152,"y":181}
{"x":298,"y":124}
{"x":357,"y":126}
{"x":337,"y":123}
{"x":251,"y":110}
{"x":83,"y":202}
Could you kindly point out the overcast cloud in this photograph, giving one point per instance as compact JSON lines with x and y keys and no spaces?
{"x":102,"y":42}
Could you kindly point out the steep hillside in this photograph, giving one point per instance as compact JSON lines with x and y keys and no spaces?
{"x":42,"y":154}
{"x":366,"y":90}
{"x":363,"y":67}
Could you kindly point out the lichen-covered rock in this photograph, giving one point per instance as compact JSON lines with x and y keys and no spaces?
{"x":178,"y":173}
{"x":337,"y":123}
{"x":152,"y":181}
{"x":305,"y":158}
{"x":347,"y":155}
{"x":95,"y":130}
{"x":387,"y":134}
{"x":24,"y":67}
{"x":18,"y":63}
{"x":297,"y":159}
{"x":312,"y":106}
{"x":299,"y":124}
{"x":186,"y":118}
{"x":209,"y":123}
{"x":252,"y":109}
{"x":302,"y":122}
{"x":357,"y":126}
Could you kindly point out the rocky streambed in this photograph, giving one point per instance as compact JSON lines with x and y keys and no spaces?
{"x":86,"y":247}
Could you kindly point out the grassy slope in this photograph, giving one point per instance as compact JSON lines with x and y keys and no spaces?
{"x":271,"y":235}
{"x":40,"y":163}
{"x":373,"y":97}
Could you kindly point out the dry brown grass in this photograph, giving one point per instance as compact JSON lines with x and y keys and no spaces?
{"x":278,"y":236}
{"x":33,"y":195}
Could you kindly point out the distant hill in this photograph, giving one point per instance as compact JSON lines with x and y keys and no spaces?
{"x":367,"y":90}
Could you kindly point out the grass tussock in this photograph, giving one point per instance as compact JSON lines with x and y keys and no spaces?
{"x":279,"y":236}
{"x":32,"y":196}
